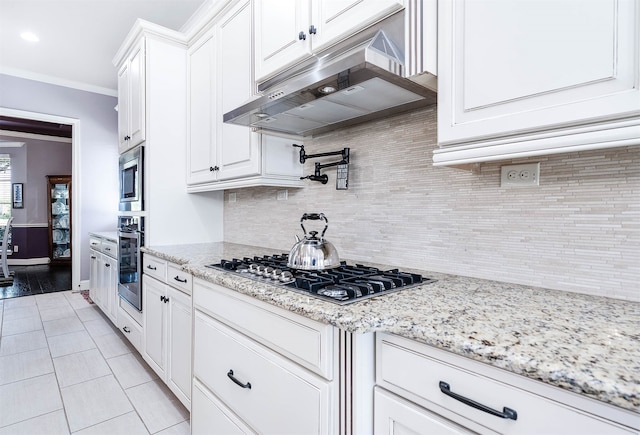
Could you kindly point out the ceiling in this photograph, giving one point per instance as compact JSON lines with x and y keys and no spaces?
{"x":78,"y":38}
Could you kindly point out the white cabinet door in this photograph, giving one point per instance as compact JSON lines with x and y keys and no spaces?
{"x":138,"y":104}
{"x":514,"y":69}
{"x":209,"y":416}
{"x":278,"y":24}
{"x":201,"y":132}
{"x":131,"y":100}
{"x":289,"y":31}
{"x":238,"y":147}
{"x":94,"y":276}
{"x":179,"y":346}
{"x":395,"y":416}
{"x":154,"y":324}
{"x":337,"y":19}
{"x":123,"y":108}
{"x":103,"y":282}
{"x":110,"y":283}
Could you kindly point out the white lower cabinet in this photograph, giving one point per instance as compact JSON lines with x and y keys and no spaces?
{"x":453,"y":393}
{"x":396,"y":416}
{"x":103,"y":278}
{"x":94,"y":294}
{"x":166,"y":341}
{"x":243,"y":383}
{"x":213,"y":417}
{"x":129,"y":321}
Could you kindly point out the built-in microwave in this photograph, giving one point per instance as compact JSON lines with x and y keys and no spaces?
{"x":131,"y":180}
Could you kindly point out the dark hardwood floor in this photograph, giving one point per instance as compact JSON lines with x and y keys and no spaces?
{"x":34,"y":280}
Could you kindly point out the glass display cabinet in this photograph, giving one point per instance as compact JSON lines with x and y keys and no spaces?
{"x":59,"y":200}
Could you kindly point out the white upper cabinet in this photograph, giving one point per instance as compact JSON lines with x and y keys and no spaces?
{"x":238,"y":147}
{"x":289,"y":31}
{"x":281,"y":34}
{"x":222,"y":156}
{"x":131,"y":99}
{"x":526,"y":77}
{"x":201,"y":114}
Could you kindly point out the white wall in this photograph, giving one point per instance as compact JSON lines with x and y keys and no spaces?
{"x":98,"y":151}
{"x":577,"y":231}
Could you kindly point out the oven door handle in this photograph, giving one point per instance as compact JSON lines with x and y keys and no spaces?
{"x":129,"y":234}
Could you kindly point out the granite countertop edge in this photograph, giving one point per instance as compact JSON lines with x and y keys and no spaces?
{"x":581,"y":343}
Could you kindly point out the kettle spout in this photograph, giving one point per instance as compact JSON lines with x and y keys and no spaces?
{"x":297,"y":238}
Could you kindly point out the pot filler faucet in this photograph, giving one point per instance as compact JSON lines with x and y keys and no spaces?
{"x":342,"y":172}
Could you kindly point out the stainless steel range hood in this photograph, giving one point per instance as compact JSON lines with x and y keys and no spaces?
{"x":368,"y":74}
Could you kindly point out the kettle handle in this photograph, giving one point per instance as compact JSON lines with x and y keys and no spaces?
{"x":315,"y":217}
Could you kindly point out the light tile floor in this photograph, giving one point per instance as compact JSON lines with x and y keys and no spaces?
{"x":64,"y":368}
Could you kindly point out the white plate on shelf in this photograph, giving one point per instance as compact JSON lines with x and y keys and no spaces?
{"x":58,"y":207}
{"x":57,"y":235}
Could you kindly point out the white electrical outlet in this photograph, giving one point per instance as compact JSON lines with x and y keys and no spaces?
{"x":232,"y":197}
{"x":282,"y":195}
{"x":15,"y":248}
{"x":525,"y":175}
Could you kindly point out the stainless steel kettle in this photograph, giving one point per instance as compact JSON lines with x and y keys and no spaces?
{"x":313,"y":252}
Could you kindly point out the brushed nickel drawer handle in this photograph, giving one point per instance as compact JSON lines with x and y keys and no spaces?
{"x":177,"y":278}
{"x":247,"y":385}
{"x":507,"y":413}
{"x":125,"y":329}
{"x":151,"y":268}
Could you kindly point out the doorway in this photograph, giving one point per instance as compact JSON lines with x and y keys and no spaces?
{"x":40,"y":123}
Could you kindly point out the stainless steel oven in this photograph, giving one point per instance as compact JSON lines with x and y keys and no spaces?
{"x":130,"y":240}
{"x":131,"y":177}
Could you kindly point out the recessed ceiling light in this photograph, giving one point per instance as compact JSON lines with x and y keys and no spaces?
{"x":327,"y":89}
{"x":29,"y":36}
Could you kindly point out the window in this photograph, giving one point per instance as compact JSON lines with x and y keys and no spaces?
{"x":5,"y":189}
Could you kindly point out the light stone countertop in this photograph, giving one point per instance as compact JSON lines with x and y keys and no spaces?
{"x":586,"y":344}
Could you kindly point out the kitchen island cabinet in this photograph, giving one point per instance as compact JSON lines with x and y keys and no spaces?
{"x":445,"y":384}
{"x":557,"y":347}
{"x":220,"y":78}
{"x":533,"y":78}
{"x":263,"y":365}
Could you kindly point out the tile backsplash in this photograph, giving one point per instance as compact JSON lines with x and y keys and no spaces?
{"x":578,"y":231}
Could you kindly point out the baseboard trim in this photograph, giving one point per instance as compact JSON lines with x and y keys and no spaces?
{"x":27,"y":261}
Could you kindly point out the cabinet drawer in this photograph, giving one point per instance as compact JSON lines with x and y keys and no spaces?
{"x":110,"y":248}
{"x":269,"y":393}
{"x":305,"y":341}
{"x":410,"y":369}
{"x":179,"y":279}
{"x":129,"y":328}
{"x":154,"y":267}
{"x":95,"y":243}
{"x":209,"y":416}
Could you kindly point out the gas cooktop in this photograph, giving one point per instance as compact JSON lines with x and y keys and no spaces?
{"x":342,"y":285}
